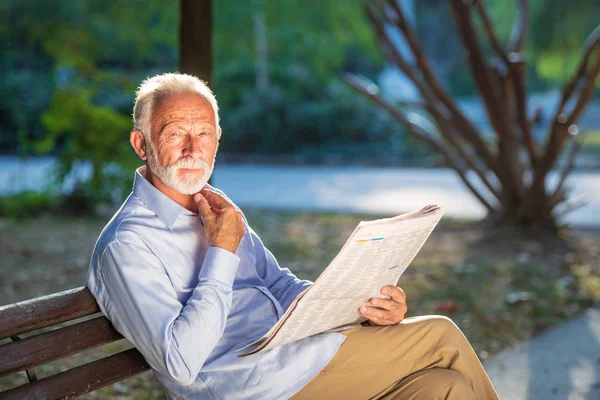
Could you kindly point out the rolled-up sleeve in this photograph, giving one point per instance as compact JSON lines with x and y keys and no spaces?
{"x":136,"y":294}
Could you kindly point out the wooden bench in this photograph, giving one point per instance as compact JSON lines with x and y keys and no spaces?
{"x":23,"y":354}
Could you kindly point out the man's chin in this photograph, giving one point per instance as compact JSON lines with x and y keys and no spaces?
{"x":189,"y":189}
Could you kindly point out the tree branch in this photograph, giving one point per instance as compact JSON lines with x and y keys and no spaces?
{"x":588,"y":48}
{"x":488,"y":87}
{"x":491,"y":92}
{"x":581,"y":85}
{"x":568,"y":167}
{"x":536,"y":117}
{"x":508,"y":144}
{"x":489,"y":30}
{"x":445,"y":125}
{"x":519,"y":32}
{"x":432,"y":91}
{"x":573,"y":205}
{"x":399,"y":20}
{"x":517,"y":69}
{"x":468,"y":131}
{"x":448,"y":131}
{"x":412,"y":104}
{"x":371,"y":91}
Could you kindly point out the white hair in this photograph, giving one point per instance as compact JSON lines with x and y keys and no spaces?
{"x":155,"y":89}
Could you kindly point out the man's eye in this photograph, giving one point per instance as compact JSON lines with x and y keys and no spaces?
{"x":175,"y":133}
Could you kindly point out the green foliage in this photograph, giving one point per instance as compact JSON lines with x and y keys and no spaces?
{"x":75,"y":59}
{"x":25,"y":204}
{"x":89,"y":46}
{"x":312,"y":38}
{"x":330,"y":119}
{"x":71,"y":68}
{"x":557,"y":31}
{"x":96,"y":134}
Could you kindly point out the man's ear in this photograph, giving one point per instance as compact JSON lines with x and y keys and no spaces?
{"x":138,"y":142}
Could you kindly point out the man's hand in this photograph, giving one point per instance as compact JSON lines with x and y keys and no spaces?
{"x":222,"y":221}
{"x":386,"y":312}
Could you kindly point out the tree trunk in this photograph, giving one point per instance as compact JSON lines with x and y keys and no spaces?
{"x":513,"y":167}
{"x":195,"y":38}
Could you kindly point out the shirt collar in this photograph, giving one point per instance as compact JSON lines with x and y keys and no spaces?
{"x":162,"y":205}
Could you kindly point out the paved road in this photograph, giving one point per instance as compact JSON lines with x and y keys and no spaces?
{"x":375,"y":190}
{"x":319,"y":188}
{"x":563,"y":363}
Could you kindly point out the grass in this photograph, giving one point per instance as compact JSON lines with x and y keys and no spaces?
{"x":499,"y":286}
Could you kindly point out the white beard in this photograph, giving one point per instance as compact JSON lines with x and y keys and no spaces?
{"x":170,"y":176}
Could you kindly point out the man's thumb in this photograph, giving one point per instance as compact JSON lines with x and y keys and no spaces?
{"x":203,"y":207}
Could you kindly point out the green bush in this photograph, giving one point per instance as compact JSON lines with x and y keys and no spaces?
{"x":28,"y":204}
{"x":297,"y":117}
{"x":25,"y":204}
{"x":85,"y":131}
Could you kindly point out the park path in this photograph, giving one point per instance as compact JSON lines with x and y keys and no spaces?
{"x":562,"y":363}
{"x":383,"y":191}
{"x":364,"y":190}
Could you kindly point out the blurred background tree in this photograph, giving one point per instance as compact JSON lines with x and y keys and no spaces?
{"x":509,"y":162}
{"x":195,"y":38}
{"x":71,"y":68}
{"x":558,"y":29}
{"x":556,"y":32}
{"x":70,"y":71}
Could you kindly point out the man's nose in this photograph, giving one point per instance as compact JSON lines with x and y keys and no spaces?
{"x":193,"y":146}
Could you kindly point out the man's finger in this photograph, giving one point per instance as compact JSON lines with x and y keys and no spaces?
{"x":240,"y":221}
{"x":386,"y":304}
{"x":380,"y":321}
{"x":395,"y":293}
{"x":375,"y":312}
{"x":215,"y":200}
{"x":204,"y":207}
{"x":376,"y":320}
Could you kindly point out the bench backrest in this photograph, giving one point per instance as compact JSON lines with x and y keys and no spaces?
{"x":22,"y":354}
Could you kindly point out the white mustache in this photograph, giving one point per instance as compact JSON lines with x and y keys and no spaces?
{"x":189,"y":163}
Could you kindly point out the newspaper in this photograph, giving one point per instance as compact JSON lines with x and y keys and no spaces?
{"x":375,"y":255}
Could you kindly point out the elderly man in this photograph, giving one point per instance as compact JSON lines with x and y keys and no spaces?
{"x":183,"y":277}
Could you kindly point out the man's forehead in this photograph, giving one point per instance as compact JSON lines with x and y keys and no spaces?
{"x":184,"y":101}
{"x":185,"y":109}
{"x":188,"y":113}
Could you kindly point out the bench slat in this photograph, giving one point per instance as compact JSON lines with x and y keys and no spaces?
{"x":45,"y":311}
{"x":83,"y":379}
{"x":56,"y":344}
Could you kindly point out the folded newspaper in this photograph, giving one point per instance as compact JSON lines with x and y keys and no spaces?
{"x":375,"y":255}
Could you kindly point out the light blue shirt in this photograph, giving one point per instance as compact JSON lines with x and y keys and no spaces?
{"x":187,"y":306}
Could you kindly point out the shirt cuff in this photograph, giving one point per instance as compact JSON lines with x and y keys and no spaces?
{"x":219,"y":264}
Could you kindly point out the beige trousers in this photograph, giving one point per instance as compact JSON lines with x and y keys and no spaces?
{"x":421,"y":358}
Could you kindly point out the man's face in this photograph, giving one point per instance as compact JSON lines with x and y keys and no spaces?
{"x":184,"y":141}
